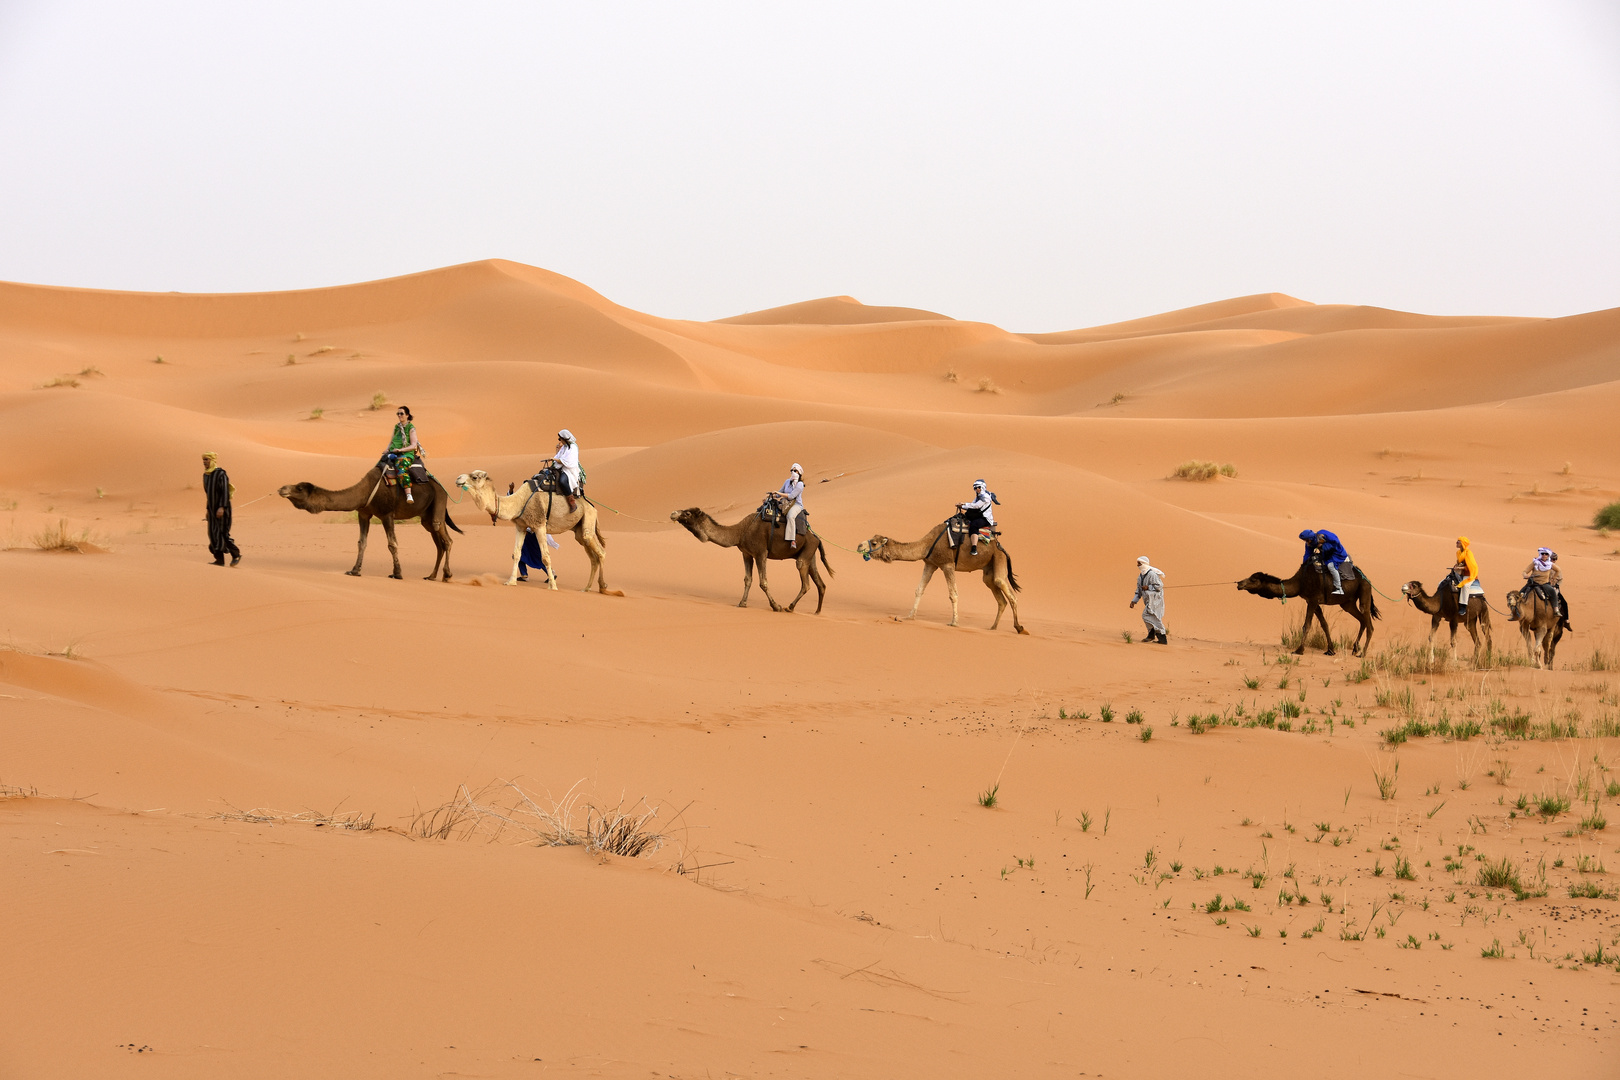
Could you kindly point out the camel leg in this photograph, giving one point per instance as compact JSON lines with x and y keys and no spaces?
{"x":545,"y":556}
{"x":1485,"y":625}
{"x":1531,"y":646}
{"x":1004,"y":585}
{"x":994,"y":586}
{"x":950,"y":590}
{"x":393,"y":548}
{"x":764,"y":586}
{"x":360,"y":553}
{"x":821,"y":586}
{"x":928,"y":572}
{"x":805,"y":562}
{"x":439,"y":546}
{"x":517,"y":552}
{"x":748,"y":578}
{"x":1305,"y":628}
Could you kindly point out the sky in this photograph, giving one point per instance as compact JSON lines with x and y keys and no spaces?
{"x":1038,"y":166}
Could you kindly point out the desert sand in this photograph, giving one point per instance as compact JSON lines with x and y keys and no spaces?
{"x":1218,"y":890}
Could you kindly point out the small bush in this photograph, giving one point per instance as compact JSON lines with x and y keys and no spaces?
{"x":67,"y":381}
{"x":1499,"y":874}
{"x":58,"y":538}
{"x":1134,"y":716}
{"x":1202,"y":470}
{"x":1147,"y":732}
{"x":1608,"y":517}
{"x":378,"y":400}
{"x":987,"y":797}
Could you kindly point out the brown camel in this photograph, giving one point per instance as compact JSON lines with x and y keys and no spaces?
{"x":544,"y":512}
{"x":759,"y":542}
{"x":1443,"y":605}
{"x":936,"y":553}
{"x":1538,"y":620}
{"x":371,"y":498}
{"x":1314,"y":587}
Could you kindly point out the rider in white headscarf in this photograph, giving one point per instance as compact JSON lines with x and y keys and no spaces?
{"x":792,"y":497}
{"x":1150,"y":590}
{"x":980,"y":517}
{"x":567,"y":458}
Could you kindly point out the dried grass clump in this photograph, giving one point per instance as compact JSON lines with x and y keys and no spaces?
{"x":58,"y":538}
{"x":67,"y":381}
{"x":950,"y":375}
{"x":353,"y":819}
{"x":502,"y":806}
{"x":323,"y":350}
{"x":378,"y":400}
{"x":986,"y":386}
{"x":1196,"y":470}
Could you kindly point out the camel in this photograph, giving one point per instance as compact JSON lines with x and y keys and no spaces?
{"x":1539,"y":622}
{"x":371,"y":498}
{"x":759,"y":542}
{"x":936,"y":553}
{"x":1312,"y":586}
{"x":544,"y":512}
{"x":1443,"y":605}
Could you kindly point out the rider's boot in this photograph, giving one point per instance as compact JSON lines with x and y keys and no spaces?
{"x":572,"y":503}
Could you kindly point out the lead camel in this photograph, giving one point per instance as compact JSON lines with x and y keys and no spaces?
{"x":371,"y":498}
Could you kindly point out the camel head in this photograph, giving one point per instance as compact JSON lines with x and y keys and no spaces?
{"x":1266,"y":585}
{"x":298,"y":494}
{"x":1413,"y":590}
{"x":1513,"y":599}
{"x":693,"y":520}
{"x":875,"y":548}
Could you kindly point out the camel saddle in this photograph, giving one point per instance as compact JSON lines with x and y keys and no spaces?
{"x":550,"y":479}
{"x":390,"y":472}
{"x":773,"y":513}
{"x":1347,"y":570}
{"x":956,"y":530}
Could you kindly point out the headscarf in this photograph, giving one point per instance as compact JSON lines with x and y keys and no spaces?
{"x":979,"y":484}
{"x":797,"y":468}
{"x":1307,"y":535}
{"x":210,"y":463}
{"x":565,"y":435}
{"x":1543,"y":561}
{"x":1462,"y":542}
{"x":1142,"y":560}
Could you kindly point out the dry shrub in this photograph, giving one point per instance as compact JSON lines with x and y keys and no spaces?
{"x":378,"y":400}
{"x":502,"y":806}
{"x":67,"y":381}
{"x":58,"y":538}
{"x":323,"y":350}
{"x":1608,"y":517}
{"x":986,"y":386}
{"x":950,"y":374}
{"x":352,"y":819}
{"x":1203,"y":470}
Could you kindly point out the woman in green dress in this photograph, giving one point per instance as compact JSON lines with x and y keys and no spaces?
{"x":403,"y":449}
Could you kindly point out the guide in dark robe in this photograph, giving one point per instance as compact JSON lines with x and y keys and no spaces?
{"x":219,"y":489}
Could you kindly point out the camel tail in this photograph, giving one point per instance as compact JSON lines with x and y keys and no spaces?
{"x":1010,"y":579}
{"x":1375,"y":612}
{"x":821,"y":549}
{"x":450,"y":523}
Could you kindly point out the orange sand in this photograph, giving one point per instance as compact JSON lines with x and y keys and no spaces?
{"x":847,"y":910}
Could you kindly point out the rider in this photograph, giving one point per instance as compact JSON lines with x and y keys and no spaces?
{"x":1326,"y":546}
{"x":403,"y":449}
{"x":980,"y":518}
{"x":791,"y":496}
{"x":1465,"y":574}
{"x":566,"y":457}
{"x":1543,"y":570}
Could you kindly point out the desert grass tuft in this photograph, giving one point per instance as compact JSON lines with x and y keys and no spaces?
{"x":65,"y":381}
{"x":58,"y":538}
{"x":1199,"y":471}
{"x":378,"y":400}
{"x":987,"y":797}
{"x":988,"y":386}
{"x":1386,"y":780}
{"x":1608,"y":517}
{"x":503,"y":806}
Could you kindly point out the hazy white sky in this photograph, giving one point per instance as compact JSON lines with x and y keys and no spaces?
{"x":1040,"y":166}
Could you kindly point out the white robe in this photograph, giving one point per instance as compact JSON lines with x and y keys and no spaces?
{"x":1150,"y":590}
{"x":567,"y":458}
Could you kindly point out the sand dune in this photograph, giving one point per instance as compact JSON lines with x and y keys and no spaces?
{"x":180,"y":744}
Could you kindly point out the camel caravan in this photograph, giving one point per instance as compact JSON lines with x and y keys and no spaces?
{"x":553,"y":501}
